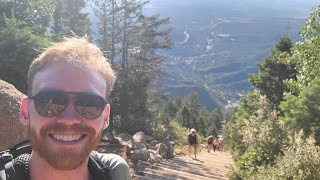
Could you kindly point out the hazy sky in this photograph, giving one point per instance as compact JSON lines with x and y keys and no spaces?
{"x":280,"y":5}
{"x":267,"y":3}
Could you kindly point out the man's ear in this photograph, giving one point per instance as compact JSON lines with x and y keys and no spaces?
{"x":24,"y":112}
{"x":106,"y":116}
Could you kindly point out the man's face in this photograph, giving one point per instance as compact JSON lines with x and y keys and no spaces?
{"x":66,"y":140}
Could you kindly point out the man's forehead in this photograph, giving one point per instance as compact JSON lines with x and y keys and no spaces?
{"x":68,"y":78}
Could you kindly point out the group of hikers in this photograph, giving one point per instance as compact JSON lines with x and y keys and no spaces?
{"x":212,"y":143}
{"x":215,"y":144}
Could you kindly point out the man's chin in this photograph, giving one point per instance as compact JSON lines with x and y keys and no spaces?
{"x":63,"y":155}
{"x":66,"y":160}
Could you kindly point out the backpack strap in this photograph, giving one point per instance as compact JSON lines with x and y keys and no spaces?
{"x":98,"y":169}
{"x":18,"y":168}
{"x":21,"y":148}
{"x":15,"y":161}
{"x":9,"y":169}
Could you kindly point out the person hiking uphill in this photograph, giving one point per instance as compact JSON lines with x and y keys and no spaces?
{"x":215,"y":145}
{"x":221,"y":144}
{"x":66,"y":111}
{"x":210,"y":143}
{"x":192,"y":140}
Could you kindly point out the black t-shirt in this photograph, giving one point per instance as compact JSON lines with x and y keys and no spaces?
{"x":192,"y":139}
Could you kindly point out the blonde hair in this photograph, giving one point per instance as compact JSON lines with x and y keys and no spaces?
{"x":79,"y":53}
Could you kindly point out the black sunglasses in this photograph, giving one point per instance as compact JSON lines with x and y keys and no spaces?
{"x":51,"y":103}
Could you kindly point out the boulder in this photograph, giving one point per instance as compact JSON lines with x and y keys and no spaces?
{"x":152,"y":151}
{"x":132,"y":144}
{"x":141,"y":137}
{"x":12,"y":131}
{"x":177,"y":152}
{"x":140,"y":154}
{"x":170,"y":148}
{"x":124,"y":137}
{"x":137,"y":145}
{"x":146,"y":164}
{"x":135,"y":167}
{"x":149,"y":146}
{"x":154,"y":142}
{"x":118,"y":149}
{"x":128,"y":140}
{"x":162,"y":149}
{"x":155,"y":153}
{"x":154,"y":157}
{"x":108,"y":138}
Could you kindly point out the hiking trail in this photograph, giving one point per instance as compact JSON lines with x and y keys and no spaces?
{"x":207,"y":167}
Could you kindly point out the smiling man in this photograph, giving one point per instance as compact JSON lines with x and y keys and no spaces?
{"x":66,"y":112}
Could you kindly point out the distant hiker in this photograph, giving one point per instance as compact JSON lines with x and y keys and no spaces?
{"x":215,"y":145}
{"x":192,"y":140}
{"x":210,"y":143}
{"x":221,"y":144}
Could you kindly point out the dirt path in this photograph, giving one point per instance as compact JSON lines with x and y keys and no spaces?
{"x":207,"y":167}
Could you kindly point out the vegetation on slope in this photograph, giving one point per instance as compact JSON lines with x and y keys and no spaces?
{"x":274,"y":133}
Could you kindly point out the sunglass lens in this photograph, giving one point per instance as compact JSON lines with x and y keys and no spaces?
{"x":50,"y":104}
{"x":89,"y":106}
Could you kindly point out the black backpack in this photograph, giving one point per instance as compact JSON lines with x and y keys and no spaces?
{"x":14,"y":163}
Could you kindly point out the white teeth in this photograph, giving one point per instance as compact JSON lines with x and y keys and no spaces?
{"x":66,"y":137}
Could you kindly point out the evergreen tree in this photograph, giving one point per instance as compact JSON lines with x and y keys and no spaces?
{"x":37,"y":14}
{"x":263,"y":136}
{"x":185,"y":118}
{"x":273,"y":73}
{"x":70,"y":20}
{"x":109,"y":28}
{"x":217,"y":117}
{"x":303,"y":111}
{"x":255,"y":122}
{"x":18,"y":48}
{"x":137,"y":63}
{"x":235,"y":124}
{"x":305,"y":55}
{"x":190,"y":114}
{"x":132,"y":9}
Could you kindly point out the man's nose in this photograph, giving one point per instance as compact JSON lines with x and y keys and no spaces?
{"x":69,"y":116}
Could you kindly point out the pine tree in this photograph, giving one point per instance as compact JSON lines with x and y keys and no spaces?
{"x":108,"y":13}
{"x":130,"y":40}
{"x":18,"y":47}
{"x":37,"y":14}
{"x":140,"y":65}
{"x":273,"y":72}
{"x":70,"y":20}
{"x":303,"y":111}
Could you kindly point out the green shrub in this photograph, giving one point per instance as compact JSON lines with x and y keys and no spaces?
{"x":233,"y":174}
{"x":178,"y":132}
{"x":249,"y":162}
{"x":300,"y":161}
{"x":183,"y":149}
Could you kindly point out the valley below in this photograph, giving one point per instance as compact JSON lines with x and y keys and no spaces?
{"x":216,"y":47}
